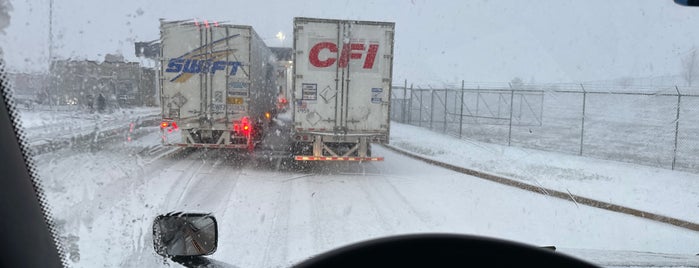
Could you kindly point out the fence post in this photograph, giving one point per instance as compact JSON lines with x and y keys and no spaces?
{"x":431,"y":107}
{"x":419,"y":122}
{"x":446,"y":93}
{"x":478,"y":100}
{"x":541,"y":110}
{"x":410,"y":105}
{"x":582,"y":125}
{"x":405,"y":92}
{"x":512,"y":98}
{"x":461,"y":112}
{"x":521,"y":100}
{"x":677,"y":126}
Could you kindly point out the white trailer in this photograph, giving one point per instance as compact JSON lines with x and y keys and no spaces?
{"x":342,"y":86}
{"x":217,"y":84}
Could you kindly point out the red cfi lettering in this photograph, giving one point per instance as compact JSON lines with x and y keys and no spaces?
{"x":349,"y":52}
{"x":314,"y":56}
{"x":370,"y":56}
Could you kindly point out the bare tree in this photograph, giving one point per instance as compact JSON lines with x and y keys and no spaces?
{"x":689,"y":67}
{"x":517,"y":83}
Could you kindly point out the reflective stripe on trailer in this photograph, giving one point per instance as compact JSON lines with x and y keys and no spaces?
{"x":201,"y":145}
{"x":335,"y":158}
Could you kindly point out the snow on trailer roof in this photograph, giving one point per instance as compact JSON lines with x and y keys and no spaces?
{"x":204,"y":22}
{"x":306,"y":19}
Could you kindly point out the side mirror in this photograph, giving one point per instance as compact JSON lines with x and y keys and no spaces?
{"x":691,"y":3}
{"x":185,"y":234}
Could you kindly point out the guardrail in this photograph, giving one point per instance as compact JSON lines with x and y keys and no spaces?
{"x":97,"y":138}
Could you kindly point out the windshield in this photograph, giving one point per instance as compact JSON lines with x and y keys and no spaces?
{"x":305,"y":126}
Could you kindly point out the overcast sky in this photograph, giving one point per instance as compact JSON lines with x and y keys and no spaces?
{"x":436,"y":41}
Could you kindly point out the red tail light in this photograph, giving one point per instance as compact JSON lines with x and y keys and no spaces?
{"x":246,"y":126}
{"x":243,"y":128}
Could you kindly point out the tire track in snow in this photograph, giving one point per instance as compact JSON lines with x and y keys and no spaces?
{"x":320,"y":241}
{"x":320,"y":213}
{"x":108,"y":206}
{"x":198,"y":186}
{"x":411,"y":212}
{"x":376,"y":206}
{"x":329,"y":215}
{"x":232,"y":169}
{"x":188,"y":172}
{"x":191,"y":175}
{"x":111,"y":197}
{"x":300,"y":225}
{"x":188,"y":165}
{"x":275,"y":249}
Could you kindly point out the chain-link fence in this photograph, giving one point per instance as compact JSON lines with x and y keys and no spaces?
{"x":650,"y":126}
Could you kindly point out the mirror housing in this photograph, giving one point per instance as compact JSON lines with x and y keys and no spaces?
{"x":185,"y":234}
{"x":691,"y":3}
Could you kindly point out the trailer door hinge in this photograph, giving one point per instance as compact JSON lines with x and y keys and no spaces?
{"x":299,"y":76}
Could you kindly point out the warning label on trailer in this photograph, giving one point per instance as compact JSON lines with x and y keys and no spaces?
{"x":376,"y":95}
{"x":309,"y":91}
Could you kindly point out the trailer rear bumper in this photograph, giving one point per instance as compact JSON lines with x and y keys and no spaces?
{"x":336,"y":147}
{"x":214,"y":139}
{"x":333,"y":158}
{"x":216,"y":146}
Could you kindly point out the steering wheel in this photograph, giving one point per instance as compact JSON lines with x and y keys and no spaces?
{"x":441,"y":250}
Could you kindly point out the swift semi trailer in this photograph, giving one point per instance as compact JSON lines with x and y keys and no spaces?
{"x":342,"y":76}
{"x":217,"y":84}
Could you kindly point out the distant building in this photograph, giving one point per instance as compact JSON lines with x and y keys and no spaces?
{"x":284,"y":69}
{"x":28,"y":88}
{"x":114,"y":58}
{"x":28,"y":85}
{"x":122,"y":83}
{"x":149,"y":50}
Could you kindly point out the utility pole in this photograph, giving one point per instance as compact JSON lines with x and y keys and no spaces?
{"x":52,"y":86}
{"x":50,"y":31}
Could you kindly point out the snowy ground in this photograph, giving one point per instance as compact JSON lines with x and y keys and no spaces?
{"x":658,"y":190}
{"x":274,"y":218}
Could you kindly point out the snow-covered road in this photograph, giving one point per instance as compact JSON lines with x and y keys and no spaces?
{"x":271,"y":218}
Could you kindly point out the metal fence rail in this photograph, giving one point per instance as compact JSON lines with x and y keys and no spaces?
{"x":651,"y":126}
